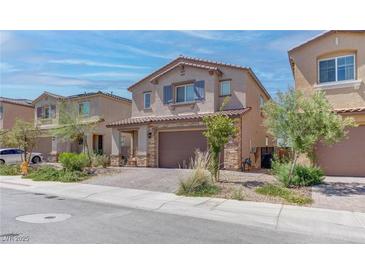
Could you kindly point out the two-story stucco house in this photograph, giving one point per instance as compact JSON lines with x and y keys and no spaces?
{"x":168,"y":105}
{"x":11,"y":109}
{"x":96,"y":106}
{"x":335,"y":63}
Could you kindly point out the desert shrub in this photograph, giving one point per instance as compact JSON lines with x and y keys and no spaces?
{"x":302,"y":175}
{"x":238,"y":194}
{"x":99,"y":160}
{"x":200,"y":182}
{"x":73,"y":161}
{"x":47,"y":173}
{"x":282,"y":192}
{"x":9,"y":170}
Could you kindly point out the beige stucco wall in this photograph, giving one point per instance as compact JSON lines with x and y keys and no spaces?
{"x":334,"y":44}
{"x":109,"y":109}
{"x":13,"y":111}
{"x":253,"y":132}
{"x":212,"y":101}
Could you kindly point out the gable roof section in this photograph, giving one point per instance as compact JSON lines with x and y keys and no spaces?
{"x":167,"y":118}
{"x":319,"y":36}
{"x":81,"y":95}
{"x":203,"y":63}
{"x":322,"y":35}
{"x":22,"y":102}
{"x":190,"y":64}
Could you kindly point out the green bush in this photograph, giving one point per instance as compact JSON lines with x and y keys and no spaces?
{"x":73,"y":161}
{"x":99,"y":160}
{"x":282,"y":192}
{"x":302,"y":175}
{"x":47,"y":173}
{"x":200,"y":182}
{"x":9,"y":170}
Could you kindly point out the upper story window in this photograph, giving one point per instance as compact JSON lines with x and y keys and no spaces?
{"x":335,"y":69}
{"x":84,"y":108}
{"x":225,"y":88}
{"x":46,"y":112}
{"x":1,"y":112}
{"x":147,"y":100}
{"x":185,"y":93}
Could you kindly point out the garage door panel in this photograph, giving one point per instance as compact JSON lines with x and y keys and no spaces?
{"x":178,"y":147}
{"x":346,"y":158}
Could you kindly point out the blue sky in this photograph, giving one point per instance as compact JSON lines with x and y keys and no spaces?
{"x":70,"y":62}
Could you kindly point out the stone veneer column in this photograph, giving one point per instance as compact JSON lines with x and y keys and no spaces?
{"x":232,"y":150}
{"x":115,"y":157}
{"x":152,"y":148}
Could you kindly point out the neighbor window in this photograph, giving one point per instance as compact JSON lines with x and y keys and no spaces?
{"x":1,"y":111}
{"x":185,"y":93}
{"x":46,"y":112}
{"x":225,"y":88}
{"x":147,"y":100}
{"x":334,"y":69}
{"x":84,"y":108}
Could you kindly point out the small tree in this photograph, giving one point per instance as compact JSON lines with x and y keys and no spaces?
{"x":73,"y":126}
{"x":301,"y":122}
{"x":220,"y":128}
{"x":23,"y":136}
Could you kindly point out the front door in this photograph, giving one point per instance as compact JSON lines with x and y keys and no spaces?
{"x":98,"y":143}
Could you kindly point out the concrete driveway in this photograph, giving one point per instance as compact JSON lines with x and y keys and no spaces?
{"x":153,"y":179}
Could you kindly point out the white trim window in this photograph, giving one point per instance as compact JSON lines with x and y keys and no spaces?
{"x":336,"y":69}
{"x":225,"y":88}
{"x":262,"y":101}
{"x":147,"y":100}
{"x":185,"y":93}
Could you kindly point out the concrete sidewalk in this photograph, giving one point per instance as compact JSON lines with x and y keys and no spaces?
{"x":337,"y":224}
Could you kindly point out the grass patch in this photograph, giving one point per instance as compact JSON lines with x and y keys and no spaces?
{"x":47,"y":173}
{"x":282,"y":192}
{"x":200,"y":191}
{"x":238,"y":194}
{"x":9,"y":170}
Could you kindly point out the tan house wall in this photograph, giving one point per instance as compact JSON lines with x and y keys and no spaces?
{"x":109,"y":109}
{"x":212,"y":101}
{"x":253,"y":132}
{"x":12,"y":111}
{"x":334,"y":44}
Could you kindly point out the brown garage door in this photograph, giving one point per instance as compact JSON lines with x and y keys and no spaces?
{"x":176,"y":148}
{"x":346,"y":158}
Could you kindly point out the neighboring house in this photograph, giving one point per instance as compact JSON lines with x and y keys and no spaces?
{"x":93,"y":106}
{"x":335,"y":63}
{"x":168,"y":106}
{"x":11,"y":109}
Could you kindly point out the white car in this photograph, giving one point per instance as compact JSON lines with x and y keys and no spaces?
{"x":14,"y":156}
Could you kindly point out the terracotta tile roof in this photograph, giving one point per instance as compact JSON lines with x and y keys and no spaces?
{"x":199,"y":61}
{"x":156,"y":119}
{"x":24,"y":102}
{"x":85,"y":94}
{"x":185,"y":64}
{"x":350,"y":110}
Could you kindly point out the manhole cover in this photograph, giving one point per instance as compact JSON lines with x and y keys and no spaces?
{"x":43,"y":218}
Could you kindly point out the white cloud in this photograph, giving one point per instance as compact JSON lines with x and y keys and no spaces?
{"x":6,"y":68}
{"x":149,"y":52}
{"x":287,"y":42}
{"x":232,"y":36}
{"x":112,"y":74}
{"x":92,"y":63}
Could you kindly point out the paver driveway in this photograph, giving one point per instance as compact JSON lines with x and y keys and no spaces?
{"x":153,"y":179}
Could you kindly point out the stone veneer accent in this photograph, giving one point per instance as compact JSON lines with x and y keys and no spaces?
{"x":232,"y":150}
{"x":115,"y":160}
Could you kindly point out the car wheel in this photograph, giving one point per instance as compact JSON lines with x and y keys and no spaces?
{"x":2,"y":162}
{"x":36,"y":160}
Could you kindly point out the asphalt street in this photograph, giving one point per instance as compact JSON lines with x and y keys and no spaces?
{"x":89,"y":222}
